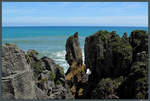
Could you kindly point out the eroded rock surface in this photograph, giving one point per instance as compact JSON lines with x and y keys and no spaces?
{"x":76,"y":69}
{"x":115,"y":62}
{"x":17,"y":76}
{"x":27,"y":76}
{"x":118,"y":65}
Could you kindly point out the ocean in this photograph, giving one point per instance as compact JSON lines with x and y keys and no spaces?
{"x":50,"y":40}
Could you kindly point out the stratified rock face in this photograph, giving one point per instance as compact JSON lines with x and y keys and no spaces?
{"x":27,"y":76}
{"x":105,"y":89}
{"x":17,"y":76}
{"x":74,"y":59}
{"x":139,"y":42}
{"x":49,"y":76}
{"x":107,"y":55}
{"x":136,"y":84}
{"x":114,"y":63}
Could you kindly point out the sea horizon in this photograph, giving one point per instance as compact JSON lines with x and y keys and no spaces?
{"x":71,"y":26}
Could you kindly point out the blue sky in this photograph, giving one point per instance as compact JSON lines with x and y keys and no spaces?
{"x":75,"y":14}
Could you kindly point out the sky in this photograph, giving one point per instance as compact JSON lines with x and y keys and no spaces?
{"x":74,"y":13}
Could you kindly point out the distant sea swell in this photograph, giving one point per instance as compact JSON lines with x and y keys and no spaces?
{"x":50,"y":41}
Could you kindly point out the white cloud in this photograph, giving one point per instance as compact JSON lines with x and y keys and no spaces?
{"x":79,"y":21}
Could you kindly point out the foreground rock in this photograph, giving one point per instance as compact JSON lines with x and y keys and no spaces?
{"x":17,"y":76}
{"x":118,"y":66}
{"x":26,"y":76}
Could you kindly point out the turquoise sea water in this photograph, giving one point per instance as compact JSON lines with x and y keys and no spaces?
{"x":50,"y":41}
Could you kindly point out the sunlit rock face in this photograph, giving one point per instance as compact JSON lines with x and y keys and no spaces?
{"x":27,"y":76}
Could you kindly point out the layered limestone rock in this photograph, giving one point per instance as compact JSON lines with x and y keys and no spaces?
{"x":77,"y":69}
{"x":27,"y":76}
{"x":17,"y":76}
{"x":49,"y":76}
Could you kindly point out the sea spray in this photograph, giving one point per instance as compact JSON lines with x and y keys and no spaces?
{"x":58,"y":57}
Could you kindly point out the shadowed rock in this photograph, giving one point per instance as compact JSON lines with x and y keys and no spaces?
{"x":74,"y":59}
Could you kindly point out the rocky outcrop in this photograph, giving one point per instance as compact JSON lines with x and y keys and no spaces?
{"x":76,"y":69}
{"x":49,"y":76}
{"x":139,"y":41}
{"x":106,"y":55}
{"x":137,"y":80}
{"x":109,"y":56}
{"x":27,"y":76}
{"x":17,"y":76}
{"x":118,"y":65}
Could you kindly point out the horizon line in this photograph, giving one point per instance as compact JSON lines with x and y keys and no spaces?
{"x":70,"y":26}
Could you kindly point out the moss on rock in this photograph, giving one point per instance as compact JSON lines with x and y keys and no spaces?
{"x":52,"y":75}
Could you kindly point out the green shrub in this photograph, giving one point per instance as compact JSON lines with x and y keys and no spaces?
{"x":52,"y":75}
{"x":60,"y":69}
{"x":28,"y":59}
{"x":8,"y":44}
{"x":37,"y":67}
{"x":43,"y":80}
{"x":58,"y":82}
{"x":34,"y":52}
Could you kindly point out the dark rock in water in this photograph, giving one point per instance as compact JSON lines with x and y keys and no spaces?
{"x":74,"y":59}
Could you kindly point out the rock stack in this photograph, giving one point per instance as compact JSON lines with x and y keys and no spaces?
{"x":118,"y":65}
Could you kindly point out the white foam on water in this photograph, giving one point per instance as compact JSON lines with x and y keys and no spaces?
{"x":58,"y":57}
